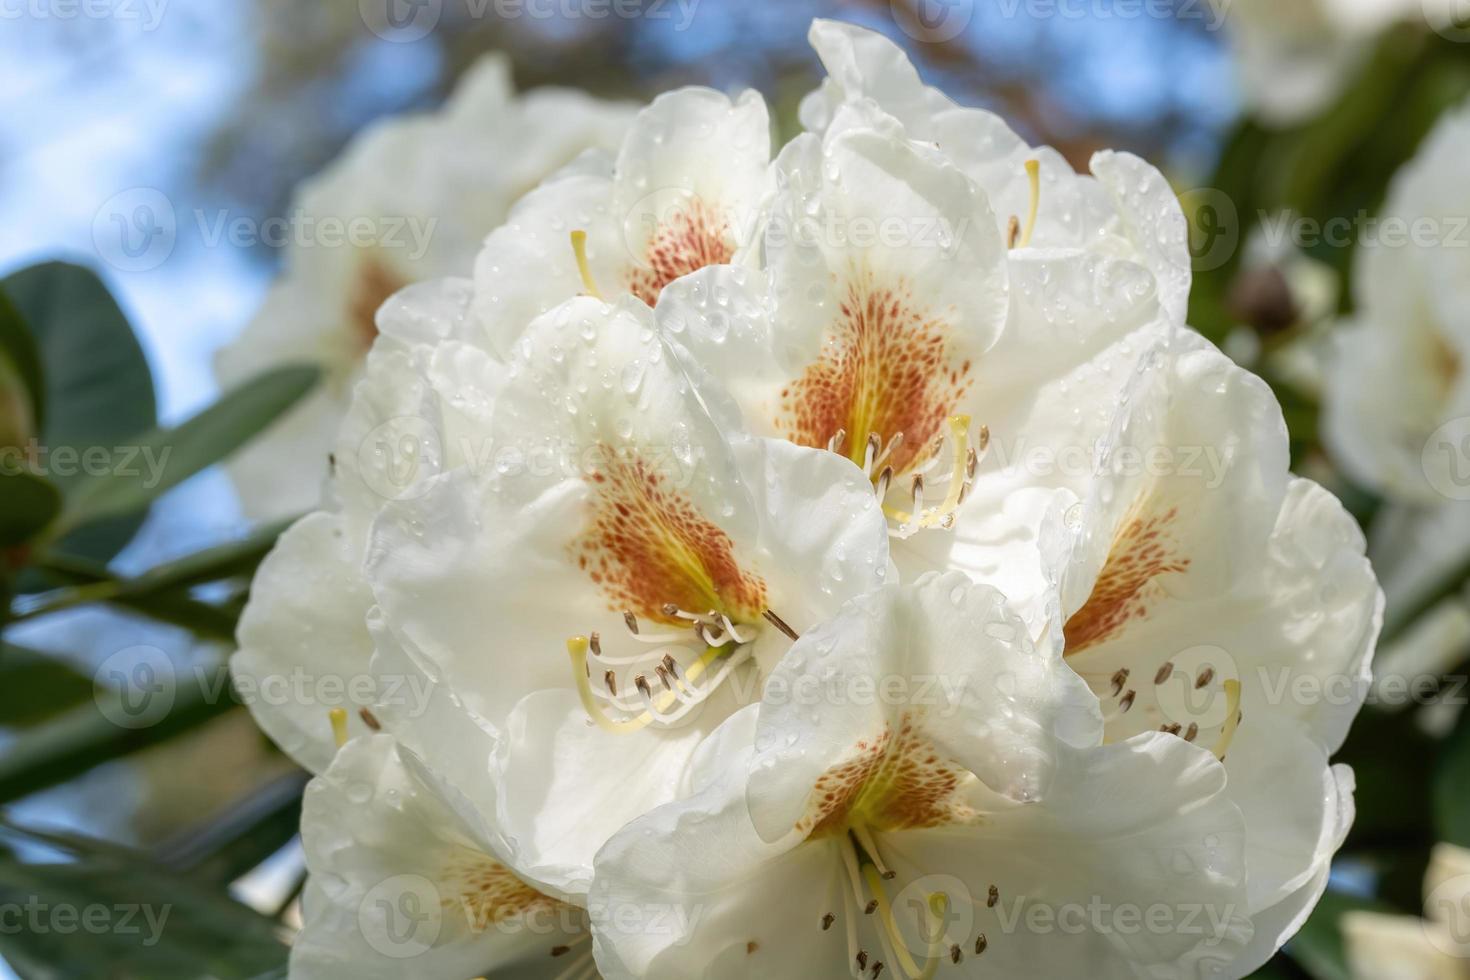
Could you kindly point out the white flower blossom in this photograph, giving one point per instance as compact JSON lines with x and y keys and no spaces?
{"x":410,"y":200}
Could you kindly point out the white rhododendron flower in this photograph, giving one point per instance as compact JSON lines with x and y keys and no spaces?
{"x":304,"y":645}
{"x":1400,"y":373}
{"x":1399,"y":947}
{"x":411,"y":199}
{"x":1208,"y":593}
{"x":844,"y":558}
{"x":970,"y":820}
{"x":1123,"y":209}
{"x":674,"y":560}
{"x":406,"y":879}
{"x":686,"y":190}
{"x":1397,"y":411}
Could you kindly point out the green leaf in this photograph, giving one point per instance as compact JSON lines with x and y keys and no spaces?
{"x":1319,"y":947}
{"x":177,"y":929}
{"x":28,"y":503}
{"x":1452,"y":787}
{"x":98,"y":388}
{"x":35,"y":686}
{"x":249,"y":833}
{"x":107,"y":728}
{"x":20,"y":363}
{"x":171,"y":456}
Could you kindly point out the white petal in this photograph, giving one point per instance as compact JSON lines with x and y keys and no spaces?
{"x":304,"y":644}
{"x":402,"y":881}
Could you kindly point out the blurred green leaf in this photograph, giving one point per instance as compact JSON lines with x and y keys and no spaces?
{"x":176,"y":928}
{"x":249,"y":833}
{"x":89,"y":735}
{"x":35,"y":686}
{"x":98,"y":388}
{"x":28,"y":503}
{"x":1319,"y":947}
{"x":1452,"y":787}
{"x":18,"y":354}
{"x":176,"y":454}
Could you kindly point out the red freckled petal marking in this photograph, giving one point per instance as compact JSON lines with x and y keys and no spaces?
{"x":647,"y":545}
{"x":486,"y":892}
{"x":896,"y":782}
{"x":1143,"y":550}
{"x":685,"y":241}
{"x":885,"y":368}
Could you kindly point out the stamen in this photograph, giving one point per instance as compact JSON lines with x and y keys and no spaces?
{"x":369,"y":719}
{"x":780,"y":624}
{"x":656,"y":707}
{"x":838,"y":442}
{"x":884,"y":479}
{"x":584,"y":269}
{"x":1232,"y":719}
{"x":338,"y":717}
{"x":1033,"y":175}
{"x":870,"y":453}
{"x":963,"y":463}
{"x":595,"y":642}
{"x":897,"y":948}
{"x":888,"y":450}
{"x":865,"y":838}
{"x":1013,"y":231}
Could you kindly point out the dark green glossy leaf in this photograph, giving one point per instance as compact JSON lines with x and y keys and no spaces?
{"x":114,"y":724}
{"x":35,"y":686}
{"x":20,"y":366}
{"x":1452,"y":787}
{"x":171,"y":456}
{"x":28,"y":503}
{"x":98,"y":389}
{"x":177,"y":929}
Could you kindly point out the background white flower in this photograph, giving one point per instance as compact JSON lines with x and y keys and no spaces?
{"x":424,"y":192}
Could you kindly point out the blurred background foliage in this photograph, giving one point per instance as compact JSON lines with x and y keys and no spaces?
{"x":228,"y":107}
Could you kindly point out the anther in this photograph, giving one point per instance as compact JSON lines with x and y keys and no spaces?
{"x":595,"y":642}
{"x":827,"y":921}
{"x":1165,"y":669}
{"x":918,"y":495}
{"x":1013,"y":231}
{"x":560,"y":950}
{"x":1127,"y":702}
{"x":1119,"y":679}
{"x":877,"y":969}
{"x":1204,"y":678}
{"x":1173,"y":729}
{"x":870,"y":453}
{"x":837,"y":442}
{"x":884,"y":478}
{"x":1191,"y":733}
{"x":981,"y":944}
{"x":956,"y":954}
{"x":631,"y":622}
{"x":993,"y":897}
{"x":369,"y":719}
{"x":611,"y":680}
{"x":780,"y":624}
{"x":862,"y":959}
{"x":872,"y":907}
